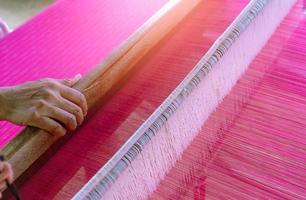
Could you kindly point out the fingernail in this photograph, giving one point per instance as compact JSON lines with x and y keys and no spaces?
{"x":78,"y":76}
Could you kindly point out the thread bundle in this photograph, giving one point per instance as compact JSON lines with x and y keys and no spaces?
{"x":136,"y":176}
{"x":147,"y":88}
{"x":260,"y":151}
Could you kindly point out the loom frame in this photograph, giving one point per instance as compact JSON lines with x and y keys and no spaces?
{"x":31,"y":147}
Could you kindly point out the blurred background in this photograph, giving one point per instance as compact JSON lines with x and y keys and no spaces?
{"x":17,"y":12}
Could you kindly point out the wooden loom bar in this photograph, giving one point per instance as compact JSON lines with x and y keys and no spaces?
{"x":102,"y":181}
{"x":32,"y":143}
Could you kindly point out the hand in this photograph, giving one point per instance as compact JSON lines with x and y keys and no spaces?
{"x":6,"y":174}
{"x":49,"y":104}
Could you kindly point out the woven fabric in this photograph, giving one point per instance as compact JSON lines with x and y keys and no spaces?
{"x":117,"y":119}
{"x":69,"y":37}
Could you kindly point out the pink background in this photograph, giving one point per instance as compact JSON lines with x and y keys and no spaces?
{"x":69,"y":37}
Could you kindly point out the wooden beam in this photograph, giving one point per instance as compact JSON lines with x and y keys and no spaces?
{"x":32,"y":143}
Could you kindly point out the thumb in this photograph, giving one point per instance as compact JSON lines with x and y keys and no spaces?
{"x":72,"y":81}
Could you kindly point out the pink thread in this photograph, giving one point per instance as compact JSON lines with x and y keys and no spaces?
{"x":99,"y":138}
{"x":70,"y":37}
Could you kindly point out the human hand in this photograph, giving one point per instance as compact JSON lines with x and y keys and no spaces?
{"x":6,"y":174}
{"x":49,"y":104}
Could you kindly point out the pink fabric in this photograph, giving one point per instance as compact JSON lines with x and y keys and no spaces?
{"x":258,"y":151}
{"x":70,"y":37}
{"x":284,"y":88}
{"x":100,"y":137}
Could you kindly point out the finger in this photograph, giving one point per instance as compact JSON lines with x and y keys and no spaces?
{"x":71,"y":82}
{"x":62,"y":116}
{"x":72,"y":108}
{"x":49,"y":125}
{"x":6,"y":174}
{"x":2,"y":186}
{"x":76,"y":97}
{"x":10,"y":174}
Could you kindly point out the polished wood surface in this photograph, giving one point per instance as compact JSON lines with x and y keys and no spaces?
{"x":32,"y":143}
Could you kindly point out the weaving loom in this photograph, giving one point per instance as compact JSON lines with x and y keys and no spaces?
{"x":193,"y":100}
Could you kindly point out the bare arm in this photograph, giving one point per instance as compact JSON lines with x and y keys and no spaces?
{"x":49,"y":104}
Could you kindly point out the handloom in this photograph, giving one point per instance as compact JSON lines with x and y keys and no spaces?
{"x":213,"y":107}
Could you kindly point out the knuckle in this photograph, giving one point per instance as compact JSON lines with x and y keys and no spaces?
{"x":35,"y":115}
{"x":40,"y":104}
{"x":83,"y":101}
{"x":53,"y":112}
{"x":78,"y":112}
{"x":48,"y":94}
{"x":79,"y":95}
{"x":82,"y":97}
{"x":55,"y":129}
{"x":58,"y":130}
{"x":72,"y":122}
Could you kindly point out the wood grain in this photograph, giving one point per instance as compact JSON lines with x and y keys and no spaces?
{"x":32,"y":143}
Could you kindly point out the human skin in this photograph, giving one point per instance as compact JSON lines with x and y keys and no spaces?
{"x":6,"y":174}
{"x":49,"y":104}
